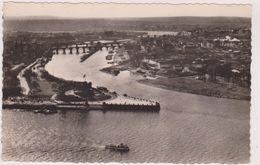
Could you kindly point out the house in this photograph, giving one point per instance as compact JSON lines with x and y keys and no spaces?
{"x":197,"y":65}
{"x":165,"y":65}
{"x":185,"y":69}
{"x":177,"y":67}
{"x":184,"y":33}
{"x":227,"y":42}
{"x":206,"y":44}
{"x":151,"y":64}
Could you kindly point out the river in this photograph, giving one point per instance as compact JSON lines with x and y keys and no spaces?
{"x":188,"y":129}
{"x":159,"y":33}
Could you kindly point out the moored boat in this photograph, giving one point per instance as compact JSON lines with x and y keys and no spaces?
{"x":121,"y":147}
{"x":45,"y":111}
{"x":111,"y":52}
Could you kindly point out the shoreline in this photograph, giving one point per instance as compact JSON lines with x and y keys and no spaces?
{"x":25,"y":88}
{"x":187,"y":88}
{"x":30,"y":100}
{"x":202,"y":88}
{"x":53,"y":108}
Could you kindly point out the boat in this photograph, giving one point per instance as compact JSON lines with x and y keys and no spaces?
{"x":109,"y":57}
{"x":112,"y":62}
{"x":120,"y":148}
{"x":45,"y":111}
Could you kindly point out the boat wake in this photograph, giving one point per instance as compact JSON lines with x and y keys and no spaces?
{"x":98,"y":147}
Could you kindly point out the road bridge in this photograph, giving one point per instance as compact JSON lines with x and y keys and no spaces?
{"x":68,"y":49}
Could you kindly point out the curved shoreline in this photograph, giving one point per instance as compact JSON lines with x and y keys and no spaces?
{"x":183,"y":84}
{"x":187,"y":89}
{"x":115,"y":102}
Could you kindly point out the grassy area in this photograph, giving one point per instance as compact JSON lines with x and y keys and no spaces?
{"x":190,"y":85}
{"x":46,"y":88}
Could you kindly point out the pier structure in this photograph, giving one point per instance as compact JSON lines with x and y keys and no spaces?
{"x":87,"y":46}
{"x":121,"y":103}
{"x":131,"y":103}
{"x":129,"y":100}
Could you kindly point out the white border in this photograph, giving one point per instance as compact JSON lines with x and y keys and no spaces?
{"x":255,"y":104}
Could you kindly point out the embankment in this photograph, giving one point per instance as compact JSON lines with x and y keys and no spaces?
{"x":103,"y":107}
{"x":21,"y":77}
{"x":190,"y":85}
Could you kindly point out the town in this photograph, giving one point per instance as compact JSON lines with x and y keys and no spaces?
{"x":212,"y":62}
{"x":215,"y":59}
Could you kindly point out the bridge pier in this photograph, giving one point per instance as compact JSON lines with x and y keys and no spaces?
{"x":70,"y":48}
{"x":77,"y":49}
{"x":84,"y":49}
{"x":57,"y":51}
{"x":64,"y":50}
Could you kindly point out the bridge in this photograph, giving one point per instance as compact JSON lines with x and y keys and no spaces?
{"x":68,"y":49}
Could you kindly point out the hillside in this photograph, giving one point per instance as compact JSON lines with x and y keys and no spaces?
{"x":51,"y":24}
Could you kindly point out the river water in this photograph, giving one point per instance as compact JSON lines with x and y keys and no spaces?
{"x":159,"y":33}
{"x":188,"y":129}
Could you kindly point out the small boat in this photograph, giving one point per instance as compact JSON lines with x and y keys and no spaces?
{"x":48,"y":111}
{"x":121,"y":147}
{"x":109,"y":57}
{"x":36,"y":111}
{"x":45,"y":111}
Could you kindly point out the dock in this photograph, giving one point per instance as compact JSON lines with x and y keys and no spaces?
{"x":95,"y":106}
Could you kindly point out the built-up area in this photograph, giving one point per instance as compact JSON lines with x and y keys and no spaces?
{"x":216,"y":55}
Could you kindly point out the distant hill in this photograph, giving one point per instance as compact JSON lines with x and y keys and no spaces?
{"x":51,"y":24}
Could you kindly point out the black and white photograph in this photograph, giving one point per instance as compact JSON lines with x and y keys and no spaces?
{"x":126,"y":83}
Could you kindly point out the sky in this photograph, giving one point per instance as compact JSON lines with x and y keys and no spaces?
{"x":84,"y":10}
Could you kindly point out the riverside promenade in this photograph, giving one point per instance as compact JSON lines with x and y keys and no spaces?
{"x":103,"y":107}
{"x":121,"y":103}
{"x":21,"y":77}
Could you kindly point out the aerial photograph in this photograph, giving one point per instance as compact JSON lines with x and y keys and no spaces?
{"x":126,"y":83}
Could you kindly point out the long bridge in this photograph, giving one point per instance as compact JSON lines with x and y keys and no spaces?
{"x":68,"y":49}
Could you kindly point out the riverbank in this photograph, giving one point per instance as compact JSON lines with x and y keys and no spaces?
{"x":190,"y":85}
{"x":186,"y":84}
{"x":22,"y":77}
{"x":123,"y":103}
{"x":46,"y":90}
{"x":68,"y":91}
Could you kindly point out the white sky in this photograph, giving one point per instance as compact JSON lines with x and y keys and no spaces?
{"x":82,"y":10}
